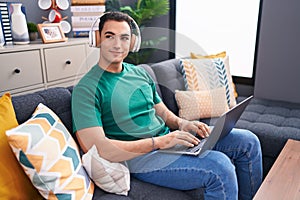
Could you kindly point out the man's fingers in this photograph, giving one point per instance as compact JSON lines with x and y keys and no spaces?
{"x":203,"y":129}
{"x":187,"y":137}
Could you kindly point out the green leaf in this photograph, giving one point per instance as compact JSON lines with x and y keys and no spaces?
{"x":143,"y":11}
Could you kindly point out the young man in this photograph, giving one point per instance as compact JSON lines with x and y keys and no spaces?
{"x":115,"y":106}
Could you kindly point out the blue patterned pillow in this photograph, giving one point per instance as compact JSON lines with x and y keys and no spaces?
{"x":50,"y":157}
{"x":207,"y":74}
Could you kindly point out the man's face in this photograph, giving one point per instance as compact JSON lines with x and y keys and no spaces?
{"x":115,"y":41}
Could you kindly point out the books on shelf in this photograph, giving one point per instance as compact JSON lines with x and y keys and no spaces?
{"x":83,"y":21}
{"x":87,"y":8}
{"x":83,"y":17}
{"x":88,"y":2}
{"x":77,"y":32}
{"x":81,"y":31}
{"x":85,"y":14}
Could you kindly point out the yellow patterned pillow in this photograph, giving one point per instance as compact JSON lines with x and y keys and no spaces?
{"x":218,"y":55}
{"x":50,"y":157}
{"x":14,"y":184}
{"x":194,"y":105}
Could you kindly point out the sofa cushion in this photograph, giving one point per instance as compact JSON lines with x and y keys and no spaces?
{"x":142,"y":190}
{"x":223,"y":55}
{"x":57,"y":99}
{"x":14,"y":184}
{"x":273,"y":122}
{"x":195,"y":105}
{"x":169,"y":75}
{"x":217,"y":55}
{"x":50,"y":157}
{"x":152,"y":74}
{"x":207,"y":74}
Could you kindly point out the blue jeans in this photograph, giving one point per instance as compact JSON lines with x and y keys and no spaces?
{"x":232,"y":170}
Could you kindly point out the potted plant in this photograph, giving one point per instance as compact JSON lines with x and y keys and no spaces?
{"x":143,"y":11}
{"x":33,"y":31}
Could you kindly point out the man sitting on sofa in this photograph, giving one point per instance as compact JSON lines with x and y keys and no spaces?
{"x":115,"y":107}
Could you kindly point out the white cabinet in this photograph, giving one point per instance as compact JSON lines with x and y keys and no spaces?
{"x":68,"y":61}
{"x":25,"y":68}
{"x":21,"y":69}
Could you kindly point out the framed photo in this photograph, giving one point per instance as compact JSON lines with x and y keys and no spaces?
{"x":51,"y":32}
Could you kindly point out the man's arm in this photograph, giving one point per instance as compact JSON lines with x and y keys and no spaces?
{"x":112,"y":150}
{"x":171,"y":120}
{"x":117,"y":150}
{"x":174,"y":122}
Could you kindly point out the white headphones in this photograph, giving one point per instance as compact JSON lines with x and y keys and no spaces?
{"x":94,"y":35}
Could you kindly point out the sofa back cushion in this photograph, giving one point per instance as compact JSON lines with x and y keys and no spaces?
{"x":57,"y":99}
{"x":152,"y":74}
{"x":169,"y":75}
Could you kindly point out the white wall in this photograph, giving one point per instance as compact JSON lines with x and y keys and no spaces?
{"x":212,"y":26}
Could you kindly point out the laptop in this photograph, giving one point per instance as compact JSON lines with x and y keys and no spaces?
{"x":222,"y":127}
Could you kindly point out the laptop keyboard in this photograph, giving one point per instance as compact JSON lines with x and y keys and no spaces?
{"x":179,"y":147}
{"x":197,"y":147}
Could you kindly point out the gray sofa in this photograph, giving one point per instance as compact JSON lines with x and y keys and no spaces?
{"x":272,"y":121}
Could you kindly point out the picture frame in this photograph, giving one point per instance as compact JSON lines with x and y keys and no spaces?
{"x":51,"y":32}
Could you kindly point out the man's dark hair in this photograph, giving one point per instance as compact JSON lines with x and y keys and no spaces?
{"x":115,"y":16}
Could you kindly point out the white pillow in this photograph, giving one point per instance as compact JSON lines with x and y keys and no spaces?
{"x":111,"y":177}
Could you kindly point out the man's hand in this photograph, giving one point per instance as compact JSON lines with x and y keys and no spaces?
{"x":176,"y":137}
{"x":196,"y":127}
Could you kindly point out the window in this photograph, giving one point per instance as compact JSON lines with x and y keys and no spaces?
{"x":212,"y":26}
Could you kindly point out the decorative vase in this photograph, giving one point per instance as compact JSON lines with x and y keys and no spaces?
{"x":2,"y":40}
{"x":19,"y":25}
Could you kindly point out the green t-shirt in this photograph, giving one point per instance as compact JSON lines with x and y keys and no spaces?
{"x":122,"y":103}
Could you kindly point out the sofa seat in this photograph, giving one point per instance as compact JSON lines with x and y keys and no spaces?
{"x":274,"y":122}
